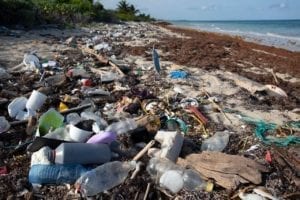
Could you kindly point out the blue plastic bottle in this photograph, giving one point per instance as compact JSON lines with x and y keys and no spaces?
{"x":55,"y":174}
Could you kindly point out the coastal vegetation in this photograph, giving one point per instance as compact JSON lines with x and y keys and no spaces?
{"x":32,"y":12}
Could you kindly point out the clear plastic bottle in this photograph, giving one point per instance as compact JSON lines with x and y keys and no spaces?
{"x":55,"y":174}
{"x":174,"y":177}
{"x":157,"y":166}
{"x":81,"y":153}
{"x":193,"y":182}
{"x":122,"y":127}
{"x":217,"y":142}
{"x":104,"y":177}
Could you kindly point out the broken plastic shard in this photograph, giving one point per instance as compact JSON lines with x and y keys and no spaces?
{"x":109,"y":77}
{"x":4,"y":74}
{"x":94,"y":92}
{"x":73,"y":118}
{"x":103,"y":45}
{"x":41,"y":156}
{"x":31,"y":62}
{"x":4,"y":124}
{"x":16,"y":106}
{"x":273,"y":90}
{"x":49,"y":120}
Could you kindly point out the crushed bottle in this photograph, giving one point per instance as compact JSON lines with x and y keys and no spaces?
{"x":217,"y":142}
{"x":104,"y":177}
{"x":174,"y":177}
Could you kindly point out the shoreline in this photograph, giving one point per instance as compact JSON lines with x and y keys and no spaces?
{"x":290,"y":43}
{"x":286,"y":60}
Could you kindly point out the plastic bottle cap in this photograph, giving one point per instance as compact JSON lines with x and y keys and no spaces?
{"x":209,"y":187}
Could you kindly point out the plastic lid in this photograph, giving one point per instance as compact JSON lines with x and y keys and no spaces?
{"x":209,"y":187}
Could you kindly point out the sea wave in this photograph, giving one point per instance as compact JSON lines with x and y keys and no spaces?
{"x":273,"y":33}
{"x":283,"y":36}
{"x":250,"y":33}
{"x":269,"y":38}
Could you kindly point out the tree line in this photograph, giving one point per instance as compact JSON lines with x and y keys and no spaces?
{"x":32,"y":12}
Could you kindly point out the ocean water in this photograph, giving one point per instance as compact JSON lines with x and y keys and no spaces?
{"x":280,"y":33}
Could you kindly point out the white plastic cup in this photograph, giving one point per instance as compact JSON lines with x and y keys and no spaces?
{"x":16,"y":106}
{"x":77,"y":134}
{"x":36,"y":100}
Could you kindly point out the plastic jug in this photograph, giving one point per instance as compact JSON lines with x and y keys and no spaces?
{"x":81,"y":153}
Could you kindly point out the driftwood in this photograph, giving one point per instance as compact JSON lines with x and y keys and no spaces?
{"x":144,"y":150}
{"x":102,"y":59}
{"x":228,"y":170}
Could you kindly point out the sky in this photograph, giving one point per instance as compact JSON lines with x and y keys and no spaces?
{"x":215,"y":9}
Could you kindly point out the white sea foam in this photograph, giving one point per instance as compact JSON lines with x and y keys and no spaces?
{"x":271,"y":39}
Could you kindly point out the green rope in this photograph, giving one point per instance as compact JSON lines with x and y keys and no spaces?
{"x":262,"y":127}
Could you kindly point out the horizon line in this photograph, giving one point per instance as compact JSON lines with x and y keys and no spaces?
{"x":195,"y":20}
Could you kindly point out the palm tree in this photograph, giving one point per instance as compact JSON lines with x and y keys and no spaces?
{"x":123,"y":6}
{"x":133,"y":10}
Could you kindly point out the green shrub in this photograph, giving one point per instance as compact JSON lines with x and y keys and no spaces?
{"x":21,"y":12}
{"x":32,"y":12}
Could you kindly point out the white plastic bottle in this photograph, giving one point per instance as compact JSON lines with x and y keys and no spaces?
{"x":104,"y":177}
{"x":81,"y":153}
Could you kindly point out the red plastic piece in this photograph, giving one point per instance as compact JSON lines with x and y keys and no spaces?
{"x":198,"y":114}
{"x":268,"y":157}
{"x":3,"y":170}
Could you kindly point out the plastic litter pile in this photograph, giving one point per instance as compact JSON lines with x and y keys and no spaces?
{"x":102,"y":127}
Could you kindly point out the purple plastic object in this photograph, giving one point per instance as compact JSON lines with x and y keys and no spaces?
{"x":103,"y":137}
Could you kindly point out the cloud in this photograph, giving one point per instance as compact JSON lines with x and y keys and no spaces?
{"x":282,"y":5}
{"x":203,"y":8}
{"x":209,"y":7}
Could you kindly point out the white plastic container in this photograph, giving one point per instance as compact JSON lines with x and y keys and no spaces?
{"x":81,"y":153}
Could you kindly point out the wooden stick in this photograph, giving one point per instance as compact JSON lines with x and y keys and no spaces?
{"x":102,"y":59}
{"x":16,"y":68}
{"x":116,"y":67}
{"x":91,"y":51}
{"x":147,"y":191}
{"x":219,"y":107}
{"x":144,"y":150}
{"x":275,"y":77}
{"x":137,"y":169}
{"x":76,"y":108}
{"x":137,"y":195}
